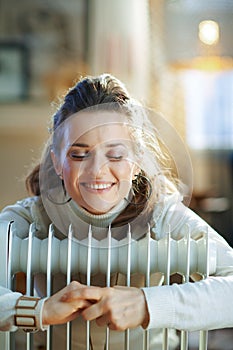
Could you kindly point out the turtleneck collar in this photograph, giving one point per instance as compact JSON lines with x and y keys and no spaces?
{"x":100,"y":220}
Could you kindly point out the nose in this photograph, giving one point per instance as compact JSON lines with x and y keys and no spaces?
{"x":96,"y":165}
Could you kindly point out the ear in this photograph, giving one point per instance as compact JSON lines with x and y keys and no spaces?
{"x":56,"y":163}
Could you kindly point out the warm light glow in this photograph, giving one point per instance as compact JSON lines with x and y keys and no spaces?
{"x":209,"y":32}
{"x":206,"y":63}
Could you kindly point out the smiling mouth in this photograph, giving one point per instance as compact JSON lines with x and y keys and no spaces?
{"x":94,"y":186}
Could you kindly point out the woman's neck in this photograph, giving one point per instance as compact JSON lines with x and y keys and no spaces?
{"x":99,"y":220}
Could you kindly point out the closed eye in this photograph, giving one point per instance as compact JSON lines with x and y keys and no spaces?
{"x":115,"y":158}
{"x":117,"y":152}
{"x":76,"y":155}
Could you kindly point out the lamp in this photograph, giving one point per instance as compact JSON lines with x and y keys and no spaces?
{"x":208,"y":32}
{"x":198,"y":35}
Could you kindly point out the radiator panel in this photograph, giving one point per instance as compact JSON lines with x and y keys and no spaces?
{"x":70,"y":257}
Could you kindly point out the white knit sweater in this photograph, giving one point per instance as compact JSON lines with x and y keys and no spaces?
{"x":194,"y":306}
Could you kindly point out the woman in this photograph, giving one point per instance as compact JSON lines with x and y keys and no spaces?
{"x":106,"y":165}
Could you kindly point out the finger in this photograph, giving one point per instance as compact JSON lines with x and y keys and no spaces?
{"x":79,"y":304}
{"x":66,"y":290}
{"x":87,"y":293}
{"x":73,"y":316}
{"x":102,"y":321}
{"x":95,"y":311}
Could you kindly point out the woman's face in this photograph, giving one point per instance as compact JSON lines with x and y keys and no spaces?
{"x":97,"y":162}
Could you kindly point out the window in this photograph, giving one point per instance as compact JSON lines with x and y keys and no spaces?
{"x":209,"y":109}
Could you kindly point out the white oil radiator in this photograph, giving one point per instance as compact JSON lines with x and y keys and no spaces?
{"x":185,"y":257}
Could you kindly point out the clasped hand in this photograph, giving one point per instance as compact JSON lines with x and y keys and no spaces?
{"x":117,"y":307}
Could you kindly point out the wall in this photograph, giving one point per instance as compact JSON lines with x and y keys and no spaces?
{"x":23,"y":132}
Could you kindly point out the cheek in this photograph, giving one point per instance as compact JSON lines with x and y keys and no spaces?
{"x":124,"y":171}
{"x":70,"y":171}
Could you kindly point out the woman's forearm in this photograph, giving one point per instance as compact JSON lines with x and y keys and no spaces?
{"x":193,"y":306}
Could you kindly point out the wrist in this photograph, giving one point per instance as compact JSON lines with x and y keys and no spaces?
{"x":43,"y":324}
{"x":44,"y":318}
{"x":28,"y":313}
{"x":146,"y":319}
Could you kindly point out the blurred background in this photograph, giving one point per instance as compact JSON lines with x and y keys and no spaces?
{"x":173,"y":55}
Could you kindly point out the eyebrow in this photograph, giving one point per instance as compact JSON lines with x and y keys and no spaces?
{"x":115,"y":144}
{"x":79,"y":145}
{"x":85,"y":145}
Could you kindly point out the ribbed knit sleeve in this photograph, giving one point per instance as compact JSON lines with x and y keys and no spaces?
{"x":7,"y":309}
{"x":193,"y":306}
{"x":206,"y":304}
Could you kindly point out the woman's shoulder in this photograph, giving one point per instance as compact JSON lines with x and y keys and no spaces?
{"x":24,"y":205}
{"x":171,"y":215}
{"x":28,"y":201}
{"x":25,"y":212}
{"x":31,"y":202}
